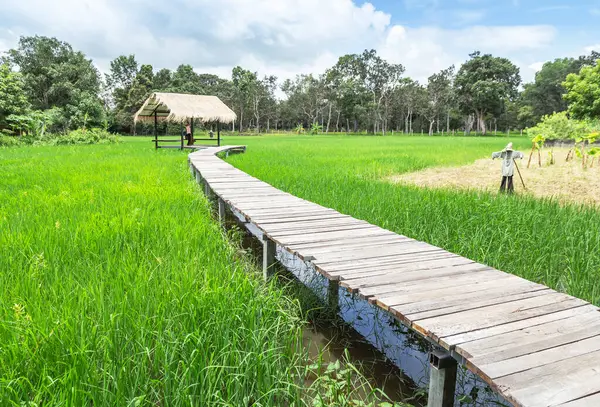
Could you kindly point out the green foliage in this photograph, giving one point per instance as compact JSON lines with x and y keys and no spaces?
{"x":56,"y":76}
{"x":12,"y":94}
{"x":299,"y":129}
{"x":545,"y":95}
{"x":484,"y":84}
{"x":9,"y":141}
{"x":80,"y":136}
{"x":340,"y":384}
{"x":558,"y":126}
{"x":315,"y":128}
{"x":583,"y":93}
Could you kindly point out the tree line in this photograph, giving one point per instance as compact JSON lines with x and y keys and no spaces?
{"x":45,"y":82}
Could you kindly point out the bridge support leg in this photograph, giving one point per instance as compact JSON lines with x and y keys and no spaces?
{"x":442,"y":379}
{"x":269,"y":249}
{"x":333,"y":296}
{"x":198,"y":178}
{"x":222,"y":208}
{"x":207,"y":190}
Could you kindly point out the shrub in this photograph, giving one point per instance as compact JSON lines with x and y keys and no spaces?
{"x":8,"y":141}
{"x":80,"y":136}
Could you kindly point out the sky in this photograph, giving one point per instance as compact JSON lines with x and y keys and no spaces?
{"x":289,"y":37}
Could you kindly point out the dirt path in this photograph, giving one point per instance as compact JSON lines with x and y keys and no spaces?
{"x":567,"y":182}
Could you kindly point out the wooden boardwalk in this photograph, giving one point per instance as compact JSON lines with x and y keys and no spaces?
{"x":533,"y":345}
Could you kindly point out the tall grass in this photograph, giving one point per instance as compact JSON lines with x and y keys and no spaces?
{"x":540,"y":240}
{"x":117,"y":288}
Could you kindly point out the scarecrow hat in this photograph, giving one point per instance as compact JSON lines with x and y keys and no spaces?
{"x":509,"y":147}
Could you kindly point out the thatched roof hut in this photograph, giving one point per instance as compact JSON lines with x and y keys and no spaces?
{"x":179,"y":108}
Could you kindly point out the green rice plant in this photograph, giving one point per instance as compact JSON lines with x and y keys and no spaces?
{"x":539,"y":239}
{"x":118,"y":288}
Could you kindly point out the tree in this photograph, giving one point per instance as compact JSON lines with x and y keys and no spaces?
{"x":57,"y":76}
{"x":439,"y":93}
{"x":244,"y":84}
{"x":583,"y":93}
{"x":545,"y":94}
{"x":123,"y":70}
{"x":305,"y":98}
{"x":12,"y":94}
{"x":484,"y":84}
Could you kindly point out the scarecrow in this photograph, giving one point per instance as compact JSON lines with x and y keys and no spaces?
{"x":508,"y":157}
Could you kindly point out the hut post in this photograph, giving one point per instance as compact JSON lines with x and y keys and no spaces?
{"x":155,"y":130}
{"x":218,"y":134}
{"x":191,"y":141}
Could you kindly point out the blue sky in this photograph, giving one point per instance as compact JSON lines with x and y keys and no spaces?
{"x":287,"y":37}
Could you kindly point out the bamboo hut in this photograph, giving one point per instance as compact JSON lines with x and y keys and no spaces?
{"x":183,"y":108}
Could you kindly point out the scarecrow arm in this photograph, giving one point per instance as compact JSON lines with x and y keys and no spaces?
{"x":497,"y":154}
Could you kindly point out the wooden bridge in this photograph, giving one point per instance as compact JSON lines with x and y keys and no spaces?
{"x":533,"y":345}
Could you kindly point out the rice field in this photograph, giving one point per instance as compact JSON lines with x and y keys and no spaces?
{"x":118,"y":288}
{"x":539,"y":239}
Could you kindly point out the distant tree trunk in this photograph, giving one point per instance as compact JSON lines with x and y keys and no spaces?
{"x":347,"y":125}
{"x":355,"y":125}
{"x":328,"y":119}
{"x":268,"y":124}
{"x":337,"y":123}
{"x":431,"y":122}
{"x":448,"y":121}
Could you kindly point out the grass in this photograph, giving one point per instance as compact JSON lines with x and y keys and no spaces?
{"x":540,"y":240}
{"x":118,"y":288}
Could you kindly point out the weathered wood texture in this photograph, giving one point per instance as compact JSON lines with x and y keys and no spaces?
{"x":535,"y":346}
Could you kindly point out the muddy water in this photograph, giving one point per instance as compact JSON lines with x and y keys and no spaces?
{"x":329,"y":339}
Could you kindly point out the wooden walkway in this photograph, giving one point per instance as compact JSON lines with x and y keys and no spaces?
{"x":533,"y":345}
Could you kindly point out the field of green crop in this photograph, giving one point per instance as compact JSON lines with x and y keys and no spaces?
{"x":539,"y":240}
{"x":117,"y":288}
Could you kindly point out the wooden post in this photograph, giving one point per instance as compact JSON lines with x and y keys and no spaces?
{"x":218,"y":134}
{"x":181,"y":134}
{"x":333,"y":295}
{"x":155,"y":130}
{"x":269,"y":249}
{"x":442,"y":379}
{"x":222,"y":208}
{"x":207,"y":190}
{"x":191,"y":142}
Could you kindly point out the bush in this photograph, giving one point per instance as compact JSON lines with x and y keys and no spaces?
{"x":80,"y":136}
{"x":559,"y":126}
{"x":8,"y":141}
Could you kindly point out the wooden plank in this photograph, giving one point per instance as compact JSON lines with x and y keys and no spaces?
{"x":397,"y":293}
{"x":491,"y":316}
{"x":592,"y":400}
{"x":263,"y":221}
{"x":347,"y":243}
{"x":295,"y":233}
{"x":539,"y":353}
{"x":458,"y":297}
{"x":399,"y":275}
{"x":475,"y":304}
{"x":514,"y":339}
{"x":309,"y":224}
{"x":423,"y":266}
{"x":555,"y":383}
{"x":452,"y":341}
{"x":324,"y":237}
{"x":365,"y":255}
{"x":413,"y":255}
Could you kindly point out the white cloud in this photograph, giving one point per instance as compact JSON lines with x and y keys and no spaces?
{"x":591,"y":48}
{"x":282,"y":37}
{"x":536,"y":66}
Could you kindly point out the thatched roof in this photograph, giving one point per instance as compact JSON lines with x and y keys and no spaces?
{"x":179,"y":107}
